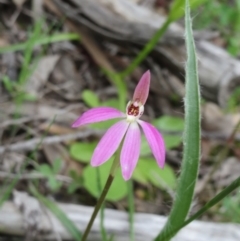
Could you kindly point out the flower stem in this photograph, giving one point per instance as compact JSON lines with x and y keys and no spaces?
{"x":98,"y":206}
{"x":103,"y":195}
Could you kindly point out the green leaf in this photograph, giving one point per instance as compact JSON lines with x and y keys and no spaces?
{"x":140,"y":175}
{"x":225,"y":192}
{"x":118,"y":189}
{"x":76,"y":183}
{"x":82,"y":151}
{"x":178,"y":6}
{"x":172,"y":141}
{"x":120,"y":84}
{"x":45,"y":170}
{"x":56,"y":37}
{"x":111,"y":102}
{"x":57,"y":165}
{"x":8,"y":84}
{"x":162,"y":178}
{"x":54,"y":184}
{"x":103,"y":125}
{"x":90,"y":98}
{"x":231,"y":208}
{"x":145,"y":149}
{"x":169,"y":123}
{"x":147,"y":48}
{"x":191,"y":140}
{"x":147,"y":170}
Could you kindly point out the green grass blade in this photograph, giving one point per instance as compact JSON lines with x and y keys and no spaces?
{"x":44,"y":40}
{"x":24,"y":73}
{"x":191,"y":139}
{"x":6,"y":193}
{"x":176,"y":12}
{"x":131,"y":209}
{"x":147,"y":49}
{"x":225,"y":192}
{"x":120,"y":85}
{"x":62,"y":217}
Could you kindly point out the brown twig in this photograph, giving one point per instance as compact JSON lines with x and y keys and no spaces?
{"x":33,"y":175}
{"x":31,"y":144}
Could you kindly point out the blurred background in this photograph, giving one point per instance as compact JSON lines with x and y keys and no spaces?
{"x":60,"y":58}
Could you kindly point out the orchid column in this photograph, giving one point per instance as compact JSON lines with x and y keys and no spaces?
{"x":124,"y":137}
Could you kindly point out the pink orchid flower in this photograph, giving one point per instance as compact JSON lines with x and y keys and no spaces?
{"x":127,"y":128}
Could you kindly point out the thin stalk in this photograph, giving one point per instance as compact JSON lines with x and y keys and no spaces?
{"x":103,"y":231}
{"x":131,"y":209}
{"x":57,"y":37}
{"x":147,"y":49}
{"x":117,"y":80}
{"x":235,"y":184}
{"x":98,"y":206}
{"x":226,"y":191}
{"x":103,"y":194}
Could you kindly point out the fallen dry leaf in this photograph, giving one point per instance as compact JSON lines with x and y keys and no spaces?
{"x":40,"y":76}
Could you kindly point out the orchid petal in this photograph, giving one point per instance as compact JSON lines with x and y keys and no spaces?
{"x":98,"y":114}
{"x":142,"y":89}
{"x":109,"y":143}
{"x":155,"y":142}
{"x":130,"y":150}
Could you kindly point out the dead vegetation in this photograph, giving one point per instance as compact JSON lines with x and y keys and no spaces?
{"x":53,"y":50}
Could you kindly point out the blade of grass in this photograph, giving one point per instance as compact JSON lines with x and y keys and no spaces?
{"x":6,"y":194}
{"x":147,"y":49}
{"x":24,"y":73}
{"x":121,"y":87}
{"x":226,"y":191}
{"x":57,"y":37}
{"x":62,"y":217}
{"x":191,"y":139}
{"x":131,"y":209}
{"x":176,"y":12}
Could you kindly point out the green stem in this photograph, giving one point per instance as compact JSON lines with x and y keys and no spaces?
{"x":131,"y":209}
{"x":117,"y":80}
{"x":103,"y":232}
{"x":147,"y":49}
{"x":235,"y":184}
{"x":226,"y":191}
{"x":103,"y":194}
{"x":98,"y":206}
{"x":57,"y":37}
{"x":191,"y":139}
